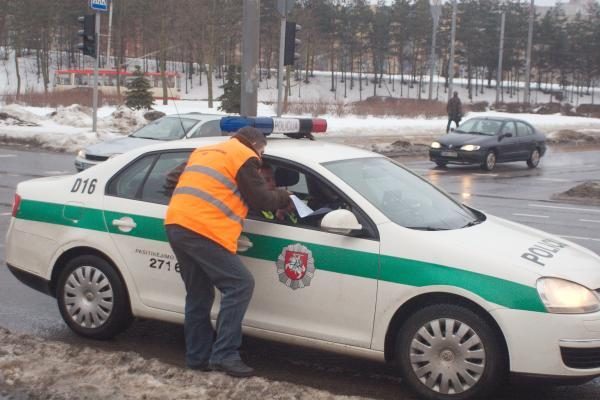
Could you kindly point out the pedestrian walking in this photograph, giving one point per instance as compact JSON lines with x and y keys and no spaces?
{"x":454,"y":110}
{"x":203,"y":223}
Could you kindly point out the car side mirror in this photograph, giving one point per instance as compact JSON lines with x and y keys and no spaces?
{"x":340,"y":221}
{"x":507,"y":134}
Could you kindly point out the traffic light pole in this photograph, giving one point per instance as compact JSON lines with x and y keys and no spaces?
{"x":96,"y":66}
{"x":280,"y":69}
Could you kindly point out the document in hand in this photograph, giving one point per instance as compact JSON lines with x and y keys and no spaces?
{"x":305,"y":211}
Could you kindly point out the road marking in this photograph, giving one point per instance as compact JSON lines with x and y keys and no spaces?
{"x":5,"y":214}
{"x":553,"y":179}
{"x":564,"y":208}
{"x":7,"y":155}
{"x":484,"y":174}
{"x":58,"y":172}
{"x":590,"y":220}
{"x":580,"y":238}
{"x":531,"y":215}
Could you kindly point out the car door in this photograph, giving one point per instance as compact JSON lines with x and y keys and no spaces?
{"x":134,"y":209}
{"x":526,"y":140}
{"x":508,"y":146}
{"x":309,"y":282}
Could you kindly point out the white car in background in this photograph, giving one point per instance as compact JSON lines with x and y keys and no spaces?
{"x":170,"y":127}
{"x":397,"y":271}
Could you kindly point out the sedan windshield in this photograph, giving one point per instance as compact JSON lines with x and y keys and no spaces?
{"x":488,"y":127}
{"x":169,"y":128}
{"x":405,"y":198}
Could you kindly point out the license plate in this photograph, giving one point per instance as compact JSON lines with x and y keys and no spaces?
{"x":449,"y":154}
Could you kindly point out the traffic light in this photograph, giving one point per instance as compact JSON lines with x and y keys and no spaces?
{"x":88,"y":23}
{"x":289,"y":55}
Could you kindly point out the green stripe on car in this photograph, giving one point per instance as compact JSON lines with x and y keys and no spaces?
{"x":334,"y":259}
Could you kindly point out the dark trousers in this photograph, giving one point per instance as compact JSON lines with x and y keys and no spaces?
{"x":204,"y":266}
{"x":450,"y":119}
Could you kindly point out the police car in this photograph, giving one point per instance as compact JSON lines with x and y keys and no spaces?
{"x":397,"y":271}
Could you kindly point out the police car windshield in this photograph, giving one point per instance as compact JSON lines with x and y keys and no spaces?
{"x":168,"y":128}
{"x":405,"y":198}
{"x":480,"y":126}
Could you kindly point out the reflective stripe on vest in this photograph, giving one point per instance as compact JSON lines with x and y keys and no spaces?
{"x":207,"y":199}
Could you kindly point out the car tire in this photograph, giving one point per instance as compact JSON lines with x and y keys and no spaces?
{"x":92,"y":298}
{"x":441,"y":164}
{"x":534,"y":159}
{"x":489,"y":162}
{"x":434,"y":362}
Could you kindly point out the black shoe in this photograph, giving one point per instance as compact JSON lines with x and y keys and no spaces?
{"x":204,"y":367}
{"x":235,"y":368}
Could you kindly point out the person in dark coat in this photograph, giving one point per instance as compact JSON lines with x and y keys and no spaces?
{"x":454,"y":109}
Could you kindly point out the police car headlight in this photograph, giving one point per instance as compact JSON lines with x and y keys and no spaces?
{"x":470,"y":147}
{"x":565,"y":297}
{"x":81,"y":153}
{"x":435,"y":145}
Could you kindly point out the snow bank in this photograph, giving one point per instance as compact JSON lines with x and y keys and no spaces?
{"x":69,"y":128}
{"x":34,"y":368}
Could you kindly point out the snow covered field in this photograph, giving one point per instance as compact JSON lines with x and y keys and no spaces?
{"x":69,"y":128}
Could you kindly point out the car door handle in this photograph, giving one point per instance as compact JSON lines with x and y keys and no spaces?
{"x":244,"y":244}
{"x":125,"y":224}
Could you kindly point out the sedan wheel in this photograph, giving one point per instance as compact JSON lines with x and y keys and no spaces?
{"x":490,"y":161}
{"x":449,"y":352}
{"x":534,"y":159}
{"x":92,"y":299}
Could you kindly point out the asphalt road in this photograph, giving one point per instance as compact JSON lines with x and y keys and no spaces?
{"x":512,"y":191}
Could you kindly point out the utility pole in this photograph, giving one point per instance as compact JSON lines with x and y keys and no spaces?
{"x":451,"y":63}
{"x":96,"y":66}
{"x":436,"y":10}
{"x":110,"y":15}
{"x":499,"y":75}
{"x":250,"y":38}
{"x":280,"y":67}
{"x":527,"y":95}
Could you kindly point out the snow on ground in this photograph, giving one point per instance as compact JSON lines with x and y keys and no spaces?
{"x":34,"y":368}
{"x":69,"y":128}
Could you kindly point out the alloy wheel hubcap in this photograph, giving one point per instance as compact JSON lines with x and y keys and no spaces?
{"x":491,"y":160}
{"x":535,"y":157}
{"x":88,"y":297}
{"x":447,"y":356}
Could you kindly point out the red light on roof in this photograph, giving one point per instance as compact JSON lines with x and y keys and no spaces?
{"x":319,"y":125}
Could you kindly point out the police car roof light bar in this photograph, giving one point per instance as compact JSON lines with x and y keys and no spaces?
{"x":293,"y":127}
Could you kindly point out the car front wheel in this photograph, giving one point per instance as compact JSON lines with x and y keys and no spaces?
{"x":448,"y":352}
{"x":92,"y":298}
{"x":489,"y":163}
{"x":534,"y":159}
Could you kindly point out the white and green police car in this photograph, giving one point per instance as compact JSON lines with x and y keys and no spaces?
{"x":398,"y":271}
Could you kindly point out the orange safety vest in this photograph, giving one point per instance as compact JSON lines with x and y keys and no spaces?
{"x":206,"y":199}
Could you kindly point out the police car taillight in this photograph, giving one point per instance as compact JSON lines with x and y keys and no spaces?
{"x":16,"y":204}
{"x":268,"y":125}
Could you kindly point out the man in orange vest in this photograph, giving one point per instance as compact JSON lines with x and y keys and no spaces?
{"x":203,"y":223}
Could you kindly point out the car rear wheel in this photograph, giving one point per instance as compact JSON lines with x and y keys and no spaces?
{"x":92,"y":298}
{"x":534,"y":159}
{"x":441,"y":164}
{"x":448,"y":352}
{"x":489,"y":163}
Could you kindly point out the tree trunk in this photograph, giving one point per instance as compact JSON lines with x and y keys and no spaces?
{"x":18,"y":74}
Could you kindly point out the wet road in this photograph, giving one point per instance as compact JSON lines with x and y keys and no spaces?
{"x":511,"y":192}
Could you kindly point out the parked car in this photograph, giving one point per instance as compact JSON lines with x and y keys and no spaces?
{"x":397,"y":270}
{"x":171,"y":127}
{"x":490,"y":140}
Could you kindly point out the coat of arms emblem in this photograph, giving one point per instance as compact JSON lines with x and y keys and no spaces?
{"x":295,"y":266}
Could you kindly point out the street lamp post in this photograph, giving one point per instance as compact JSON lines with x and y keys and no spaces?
{"x":501,"y":51}
{"x":527,"y":96}
{"x":436,"y":10}
{"x":451,"y":63}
